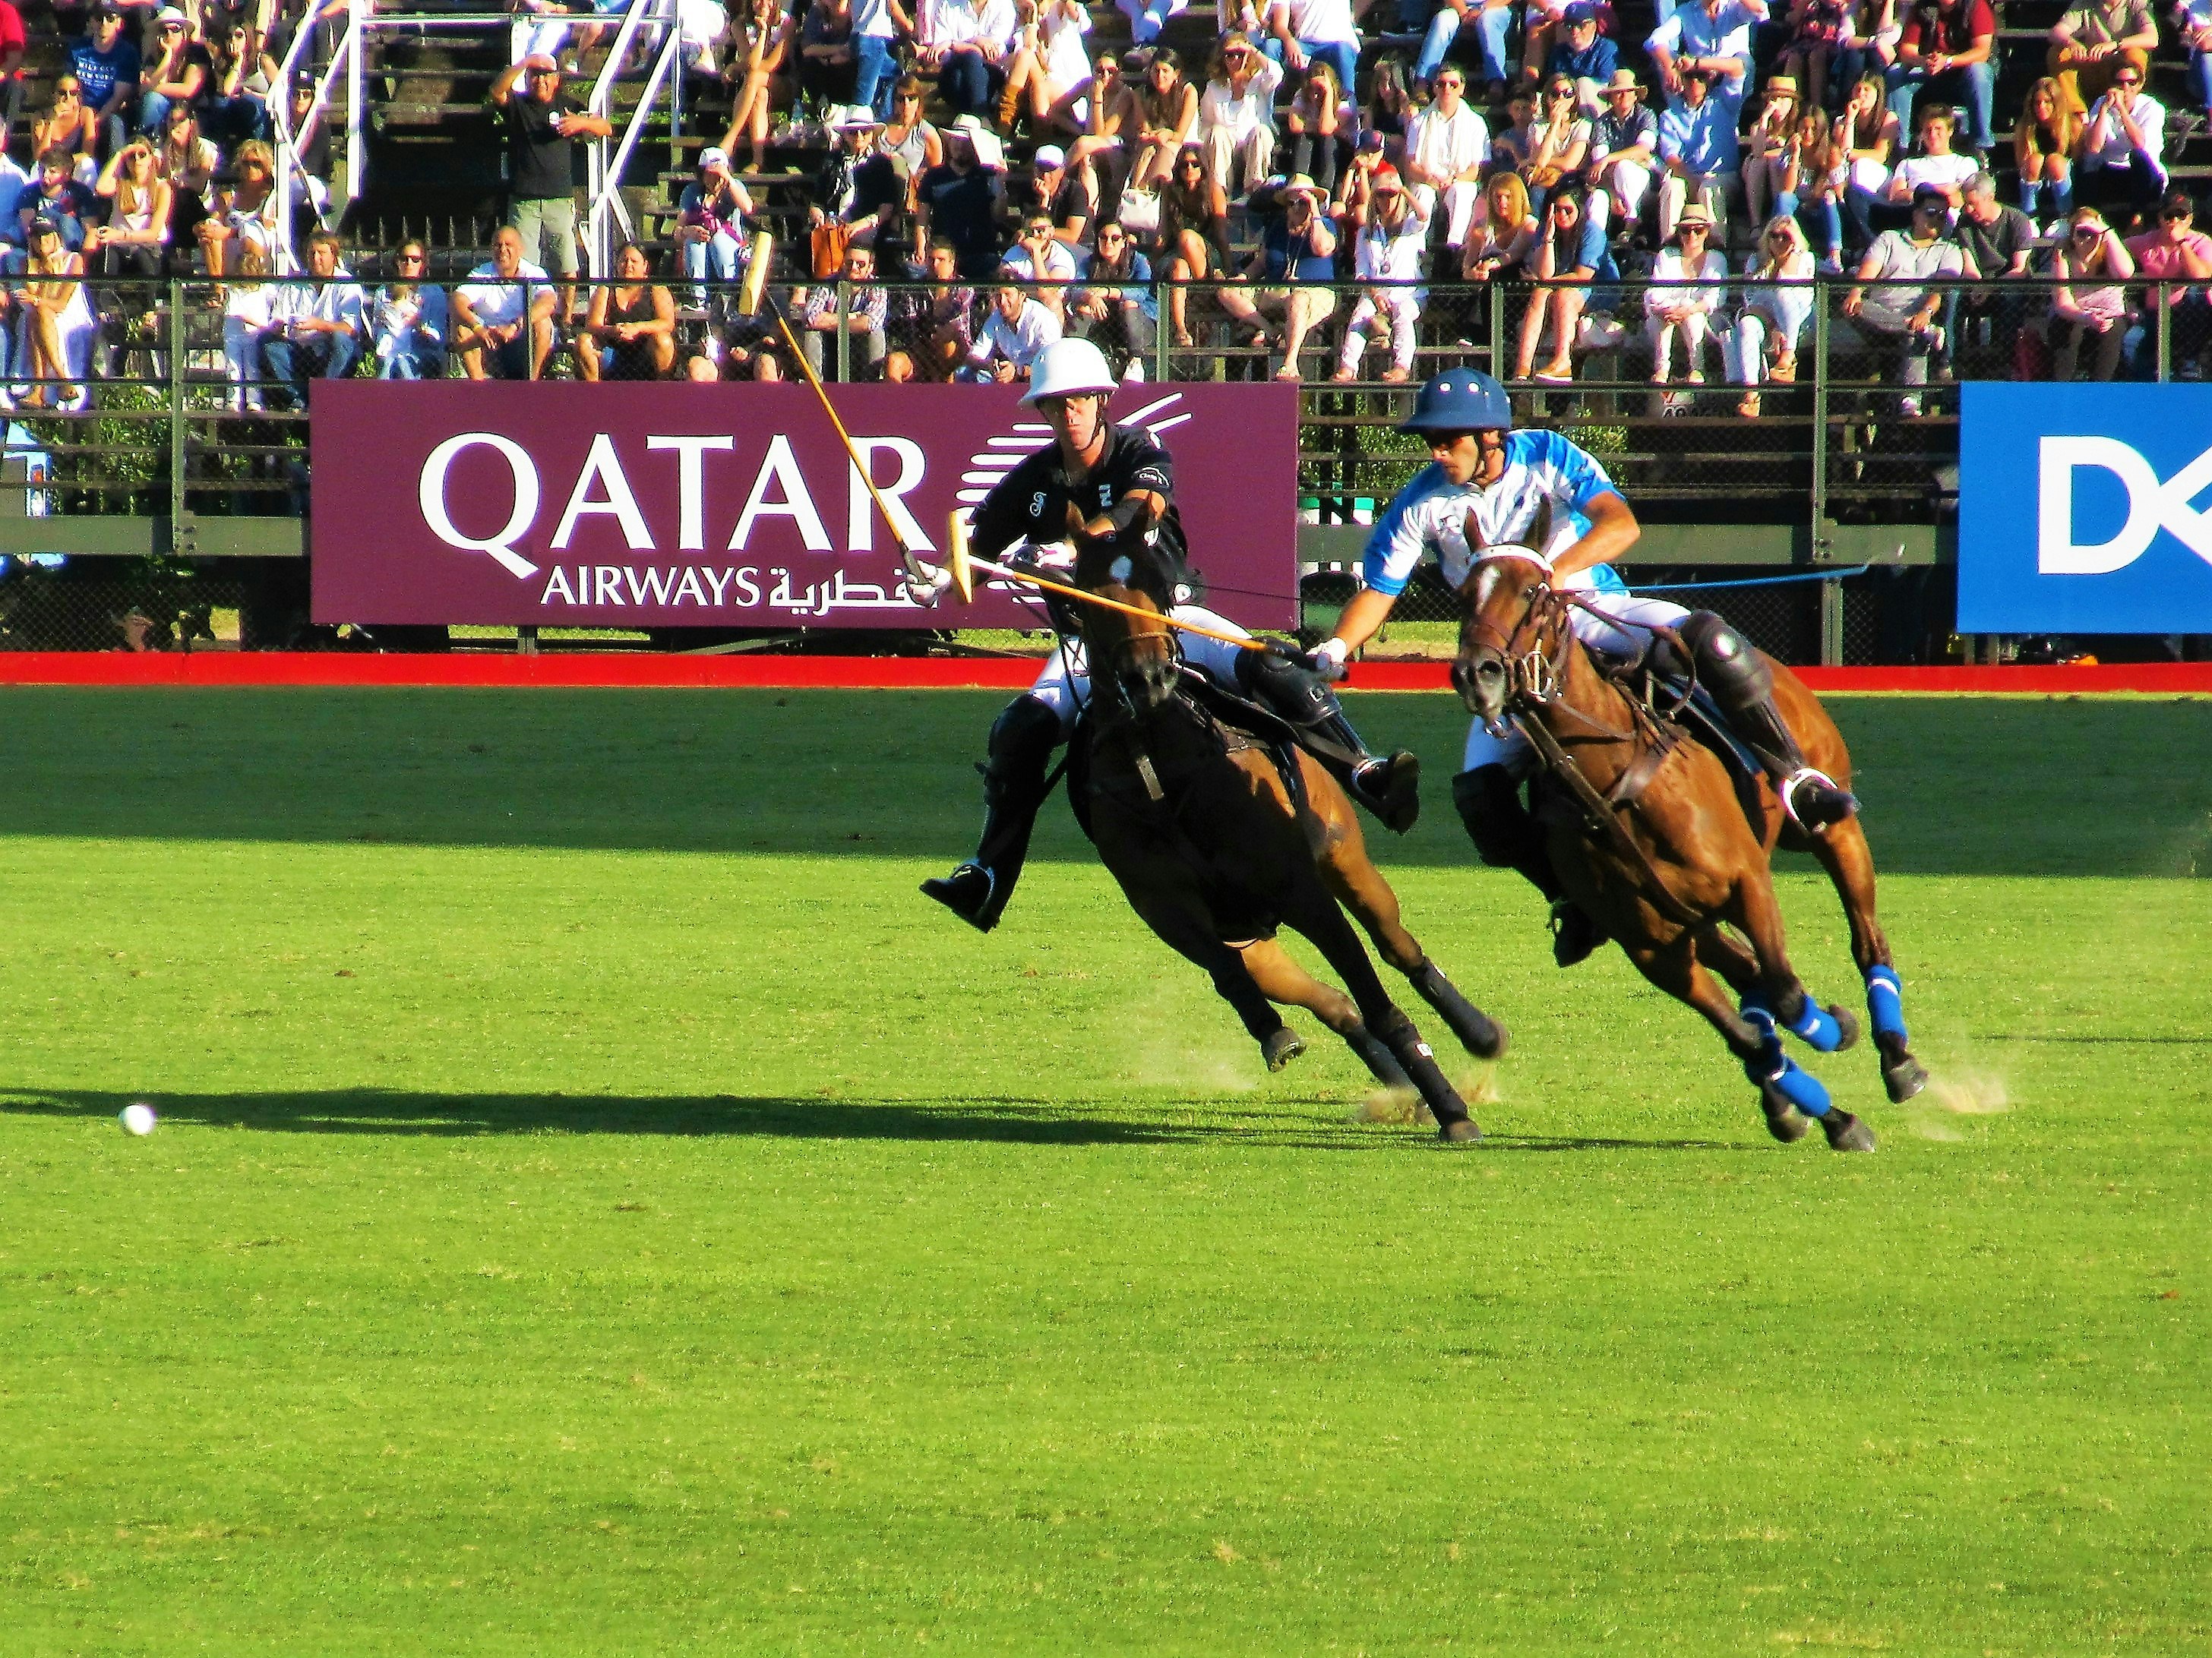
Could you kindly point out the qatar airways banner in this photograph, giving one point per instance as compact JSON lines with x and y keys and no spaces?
{"x":674,"y":504}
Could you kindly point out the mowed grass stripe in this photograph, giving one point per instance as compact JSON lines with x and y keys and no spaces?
{"x":660,"y":1241}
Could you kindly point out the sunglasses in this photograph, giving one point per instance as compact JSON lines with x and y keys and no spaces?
{"x":2087,"y":233}
{"x":410,"y":259}
{"x":1189,"y":166}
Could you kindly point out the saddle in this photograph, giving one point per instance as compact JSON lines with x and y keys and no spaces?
{"x":1236,"y":724}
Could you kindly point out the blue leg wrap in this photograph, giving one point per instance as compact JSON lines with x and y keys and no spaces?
{"x":1885,"y":1002}
{"x":1804,"y":1089}
{"x":1816,"y":1026}
{"x":1771,"y":1066}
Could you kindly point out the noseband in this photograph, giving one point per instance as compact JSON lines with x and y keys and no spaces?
{"x":1534,"y":672}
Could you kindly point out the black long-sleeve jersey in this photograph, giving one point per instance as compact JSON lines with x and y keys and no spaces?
{"x":1031,"y":502}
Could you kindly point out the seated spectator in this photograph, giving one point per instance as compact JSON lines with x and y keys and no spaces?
{"x":1237,"y":114}
{"x":315,"y":327}
{"x":1296,"y":260}
{"x":1698,"y":150}
{"x":59,"y":199}
{"x":1897,"y":315}
{"x":1711,"y":37}
{"x":1313,"y":120}
{"x":1517,"y":140}
{"x":1039,"y":259}
{"x":1948,"y":52}
{"x":1998,"y":242}
{"x":1811,"y":187}
{"x":1777,"y":302}
{"x":1820,"y":38}
{"x":1116,"y":297}
{"x":503,"y":314}
{"x":56,"y":330}
{"x":69,"y":126}
{"x":1194,"y":234}
{"x":1148,"y":17}
{"x":2176,"y":252}
{"x":2192,"y":21}
{"x":1050,"y":75}
{"x":1387,"y":258}
{"x":1624,"y":150}
{"x":2123,"y":147}
{"x":1352,"y":205}
{"x":1015,"y":330}
{"x":1504,"y":240}
{"x":179,"y":70}
{"x":710,"y":223}
{"x":1689,"y":280}
{"x":106,"y":66}
{"x":408,"y":320}
{"x":1584,"y":57}
{"x":876,"y":26}
{"x":136,"y":235}
{"x":187,"y":162}
{"x":1490,"y":20}
{"x":958,"y":202}
{"x":1445,"y":149}
{"x":857,"y":192}
{"x":759,"y":61}
{"x":1770,"y":150}
{"x":1560,"y":146}
{"x":2046,"y":145}
{"x":1167,"y":119}
{"x":828,"y":63}
{"x":1301,"y":30}
{"x":1390,"y":106}
{"x":1052,"y":193}
{"x":967,"y":44}
{"x":2089,"y":307}
{"x":1867,"y":141}
{"x":2094,"y":41}
{"x":308,"y":181}
{"x":939,"y":322}
{"x":1570,"y":251}
{"x":912,"y":144}
{"x":1097,"y":157}
{"x":1934,"y":163}
{"x":629,"y":332}
{"x":242,"y":208}
{"x":248,"y":306}
{"x":229,"y":110}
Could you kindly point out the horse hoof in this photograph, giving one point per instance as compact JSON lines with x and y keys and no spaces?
{"x":1784,"y":1119}
{"x":1904,"y":1079}
{"x":1280,"y":1047}
{"x":1494,"y":1045}
{"x":1461,"y":1131}
{"x":1846,"y":1132}
{"x":1847,"y":1027}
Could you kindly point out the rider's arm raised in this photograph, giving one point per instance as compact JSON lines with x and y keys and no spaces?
{"x":1612,"y":530}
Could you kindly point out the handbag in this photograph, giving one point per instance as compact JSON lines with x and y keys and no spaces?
{"x":830,"y":243}
{"x":1141,"y":212}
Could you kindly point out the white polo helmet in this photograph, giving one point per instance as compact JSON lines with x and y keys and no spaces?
{"x":1069,"y":369}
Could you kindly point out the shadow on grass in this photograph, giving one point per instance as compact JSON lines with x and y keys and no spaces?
{"x":1003,"y":1120}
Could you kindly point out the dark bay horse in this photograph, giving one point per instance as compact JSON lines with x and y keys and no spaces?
{"x":1650,"y":835}
{"x":1215,"y":848}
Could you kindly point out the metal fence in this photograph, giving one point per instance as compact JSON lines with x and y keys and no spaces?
{"x":158,"y":419}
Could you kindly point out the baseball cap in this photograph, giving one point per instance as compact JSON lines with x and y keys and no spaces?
{"x":1582,"y":12}
{"x":714,"y":155}
{"x":1050,"y":155}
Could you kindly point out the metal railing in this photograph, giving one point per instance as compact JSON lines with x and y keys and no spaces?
{"x":607,"y":219}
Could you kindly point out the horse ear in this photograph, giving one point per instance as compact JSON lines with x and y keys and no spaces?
{"x":1541,"y":530}
{"x":1476,"y":543}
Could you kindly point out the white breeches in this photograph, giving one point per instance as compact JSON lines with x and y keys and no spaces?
{"x":1391,"y":310}
{"x":1462,"y":203}
{"x":1512,"y":750}
{"x":1064,"y":685}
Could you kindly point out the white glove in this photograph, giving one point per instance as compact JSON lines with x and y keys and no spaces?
{"x":928,"y":587}
{"x":1044,"y":555}
{"x":1328,"y":658}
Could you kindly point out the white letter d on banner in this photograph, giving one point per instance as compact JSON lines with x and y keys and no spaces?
{"x":2056,"y":552}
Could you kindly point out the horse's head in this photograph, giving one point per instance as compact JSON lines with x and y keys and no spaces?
{"x":1134,"y":655}
{"x":1508,"y":637}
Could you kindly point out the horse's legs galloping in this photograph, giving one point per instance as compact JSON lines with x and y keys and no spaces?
{"x":1284,"y":980}
{"x":1783,"y":1002}
{"x":1314,"y":911}
{"x":1843,"y":852}
{"x":1167,"y":902}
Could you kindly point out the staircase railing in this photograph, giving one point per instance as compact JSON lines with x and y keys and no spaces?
{"x":608,"y":221}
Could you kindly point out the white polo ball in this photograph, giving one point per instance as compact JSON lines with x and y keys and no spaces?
{"x":137,"y":1118}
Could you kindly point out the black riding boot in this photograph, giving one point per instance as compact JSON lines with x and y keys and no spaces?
{"x":1023,"y":738}
{"x":1506,"y":836}
{"x":1740,"y":683}
{"x":1390,"y":788}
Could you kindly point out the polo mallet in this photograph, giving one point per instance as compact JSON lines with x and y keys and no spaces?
{"x":963,"y":564}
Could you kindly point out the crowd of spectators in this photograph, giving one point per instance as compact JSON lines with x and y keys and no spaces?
{"x":1325,"y":177}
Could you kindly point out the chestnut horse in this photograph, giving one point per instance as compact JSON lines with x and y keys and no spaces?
{"x":1650,"y":836}
{"x":1215,"y":848}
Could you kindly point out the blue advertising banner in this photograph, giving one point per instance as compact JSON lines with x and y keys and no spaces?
{"x":2078,"y":509}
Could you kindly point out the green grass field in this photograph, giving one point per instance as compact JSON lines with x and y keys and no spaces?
{"x":600,"y":1208}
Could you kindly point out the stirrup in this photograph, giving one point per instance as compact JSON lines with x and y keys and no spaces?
{"x":1574,"y":936}
{"x":1823,"y":803}
{"x":966,"y":892}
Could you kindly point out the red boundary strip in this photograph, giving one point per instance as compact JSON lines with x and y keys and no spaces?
{"x":906,"y":673}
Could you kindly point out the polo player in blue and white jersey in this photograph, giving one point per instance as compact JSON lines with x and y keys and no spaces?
{"x":1488,"y":486}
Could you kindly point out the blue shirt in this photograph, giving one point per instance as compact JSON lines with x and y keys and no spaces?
{"x":99,"y":72}
{"x":1596,"y":65}
{"x":1690,"y":34}
{"x":1547,"y":480}
{"x":1703,"y":139}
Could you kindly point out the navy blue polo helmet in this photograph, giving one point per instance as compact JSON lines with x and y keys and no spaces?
{"x":1460,"y":400}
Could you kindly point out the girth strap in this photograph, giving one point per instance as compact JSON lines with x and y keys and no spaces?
{"x":1603,"y":811}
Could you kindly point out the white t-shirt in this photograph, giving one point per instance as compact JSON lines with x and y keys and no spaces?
{"x":953,"y":23}
{"x":873,"y":18}
{"x":1947,"y":171}
{"x":1448,"y":145}
{"x":498,"y":300}
{"x":1220,"y":108}
{"x":2107,"y":140}
{"x":1894,"y":254}
{"x":1066,"y":59}
{"x":1018,"y":343}
{"x":1320,"y":22}
{"x":1710,"y":278}
{"x":1018,"y":265}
